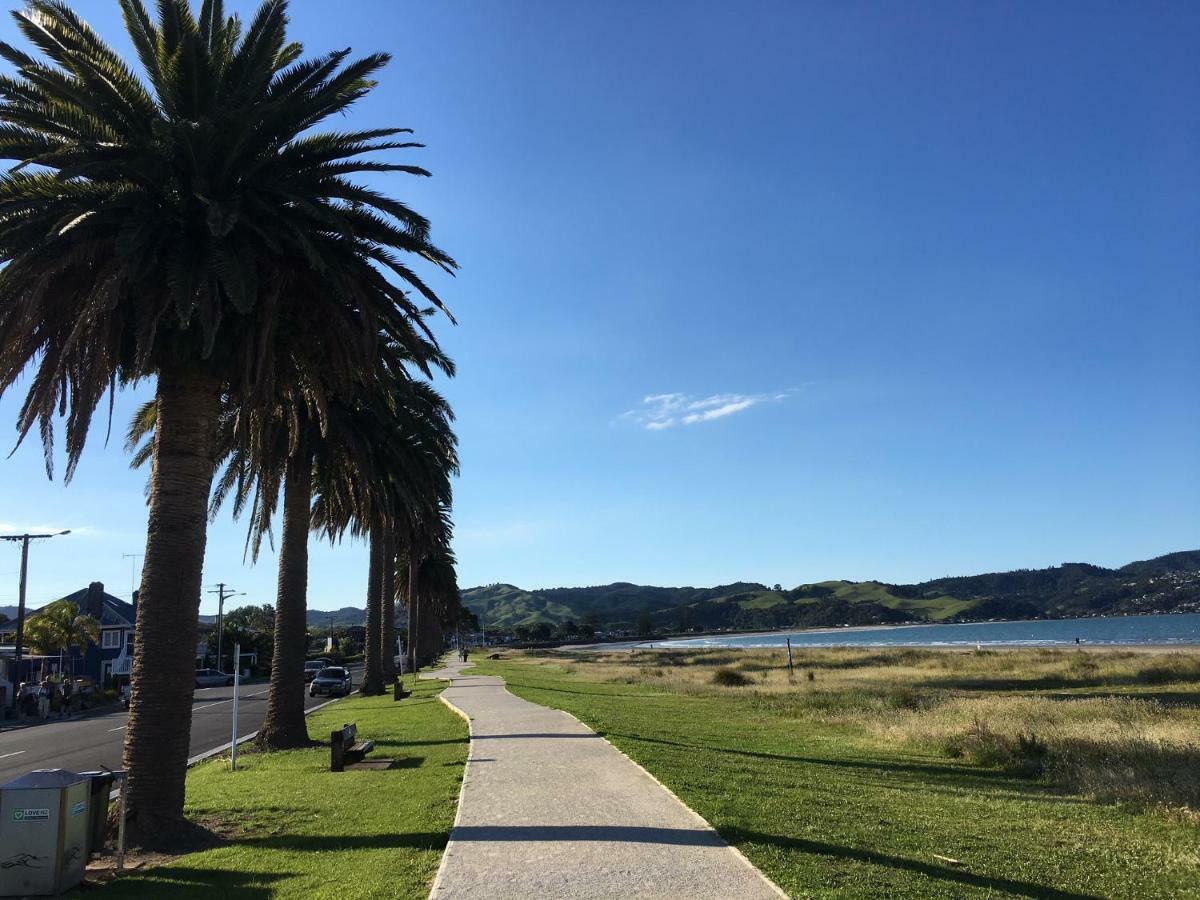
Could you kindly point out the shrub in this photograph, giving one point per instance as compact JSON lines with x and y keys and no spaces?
{"x":727,"y":677}
{"x":1025,"y":754}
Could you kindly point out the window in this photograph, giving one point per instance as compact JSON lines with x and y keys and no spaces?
{"x":110,"y":639}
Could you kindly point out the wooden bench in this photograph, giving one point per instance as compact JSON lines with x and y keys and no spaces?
{"x":345,"y":747}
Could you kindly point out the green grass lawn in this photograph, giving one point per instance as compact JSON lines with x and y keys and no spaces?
{"x":830,"y":810}
{"x":308,"y":832}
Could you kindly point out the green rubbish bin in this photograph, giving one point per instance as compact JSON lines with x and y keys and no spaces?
{"x":101,"y":790}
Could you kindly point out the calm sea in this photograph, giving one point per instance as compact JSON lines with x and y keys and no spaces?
{"x":1129,"y":630}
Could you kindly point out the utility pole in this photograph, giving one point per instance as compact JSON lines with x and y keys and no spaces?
{"x":133,"y":558}
{"x":24,"y":539}
{"x":222,"y":596}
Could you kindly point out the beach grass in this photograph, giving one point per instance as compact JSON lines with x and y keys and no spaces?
{"x":913,"y":773}
{"x":295,"y":829}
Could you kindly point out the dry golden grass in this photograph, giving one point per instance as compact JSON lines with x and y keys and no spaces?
{"x":1110,"y":724}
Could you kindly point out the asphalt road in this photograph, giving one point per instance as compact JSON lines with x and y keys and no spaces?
{"x":85,"y":744}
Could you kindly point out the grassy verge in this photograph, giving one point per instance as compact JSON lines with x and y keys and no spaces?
{"x":303,"y":831}
{"x":846,"y":783}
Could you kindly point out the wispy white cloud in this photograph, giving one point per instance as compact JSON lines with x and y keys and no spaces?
{"x":658,"y":412}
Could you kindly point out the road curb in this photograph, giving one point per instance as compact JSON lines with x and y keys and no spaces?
{"x":228,"y":745}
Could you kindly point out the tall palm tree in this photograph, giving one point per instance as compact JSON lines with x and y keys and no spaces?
{"x":387,"y":600}
{"x":162,"y":228}
{"x":426,"y":541}
{"x":281,"y":451}
{"x":400,"y":435}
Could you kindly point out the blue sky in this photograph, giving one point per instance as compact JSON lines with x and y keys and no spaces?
{"x":770,"y":291}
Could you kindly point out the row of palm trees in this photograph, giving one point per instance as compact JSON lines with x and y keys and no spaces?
{"x":191,"y":225}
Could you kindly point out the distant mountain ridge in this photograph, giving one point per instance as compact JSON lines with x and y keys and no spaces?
{"x":1169,"y":583}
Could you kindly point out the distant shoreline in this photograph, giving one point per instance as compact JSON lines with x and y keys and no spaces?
{"x":1091,"y":643}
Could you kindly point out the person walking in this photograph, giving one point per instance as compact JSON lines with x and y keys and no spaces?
{"x":68,"y":698}
{"x":45,"y":689}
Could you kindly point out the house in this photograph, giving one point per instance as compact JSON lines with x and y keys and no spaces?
{"x":112,"y":657}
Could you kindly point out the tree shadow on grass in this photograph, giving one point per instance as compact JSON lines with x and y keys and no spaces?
{"x":959,"y":774}
{"x":431,"y":840}
{"x":184,"y":883}
{"x":929,"y":870}
{"x":899,"y":774}
{"x":385,"y":742}
{"x":637,"y":696}
{"x":1187,"y":699}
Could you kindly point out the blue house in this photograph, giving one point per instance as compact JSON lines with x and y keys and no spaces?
{"x":112,"y":657}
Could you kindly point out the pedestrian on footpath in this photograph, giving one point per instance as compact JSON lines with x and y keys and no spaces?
{"x":68,"y":698}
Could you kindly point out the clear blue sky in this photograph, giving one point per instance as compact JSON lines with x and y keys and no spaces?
{"x":912,"y":292}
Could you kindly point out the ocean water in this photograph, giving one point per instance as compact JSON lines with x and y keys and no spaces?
{"x":1181,"y":629}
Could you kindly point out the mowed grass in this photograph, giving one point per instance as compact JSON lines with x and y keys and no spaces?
{"x":303,"y":831}
{"x":847,"y":784}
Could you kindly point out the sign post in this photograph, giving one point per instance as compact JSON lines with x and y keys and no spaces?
{"x":237,"y":683}
{"x":789,"y":646}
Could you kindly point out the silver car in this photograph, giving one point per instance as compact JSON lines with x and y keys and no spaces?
{"x":331,"y":681}
{"x":212,"y":678}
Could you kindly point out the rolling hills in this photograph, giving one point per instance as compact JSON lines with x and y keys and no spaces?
{"x":1169,"y":583}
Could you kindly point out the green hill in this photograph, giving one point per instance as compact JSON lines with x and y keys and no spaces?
{"x":1168,"y":583}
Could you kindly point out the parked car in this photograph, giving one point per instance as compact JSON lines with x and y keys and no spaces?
{"x":332,"y":680}
{"x":212,"y":678}
{"x":312,"y":667}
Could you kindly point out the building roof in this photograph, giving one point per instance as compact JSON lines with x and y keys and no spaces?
{"x":115,"y":613}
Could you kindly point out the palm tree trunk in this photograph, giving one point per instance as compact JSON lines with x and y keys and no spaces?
{"x":388,"y":595}
{"x":373,"y":676}
{"x":163,"y":675}
{"x":412,"y":611}
{"x":285,"y":726}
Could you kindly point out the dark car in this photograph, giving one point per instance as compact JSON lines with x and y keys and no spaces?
{"x":333,"y":680}
{"x":312,"y":667}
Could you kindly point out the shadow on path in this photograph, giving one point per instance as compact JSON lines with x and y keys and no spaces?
{"x":620,"y":833}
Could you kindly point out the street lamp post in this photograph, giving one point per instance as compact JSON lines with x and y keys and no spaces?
{"x":24,"y":539}
{"x":222,"y":596}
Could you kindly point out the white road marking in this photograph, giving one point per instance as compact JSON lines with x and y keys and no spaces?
{"x":14,"y":753}
{"x":230,"y":700}
{"x":118,"y":728}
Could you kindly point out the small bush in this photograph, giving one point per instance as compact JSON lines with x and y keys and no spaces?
{"x":727,"y":677}
{"x":1025,"y":754}
{"x":810,"y":675}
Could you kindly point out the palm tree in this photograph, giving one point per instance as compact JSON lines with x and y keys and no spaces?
{"x":387,"y":599}
{"x":59,"y":626}
{"x":174,"y":228}
{"x":426,"y":549}
{"x":278,"y":452}
{"x":400,"y":433}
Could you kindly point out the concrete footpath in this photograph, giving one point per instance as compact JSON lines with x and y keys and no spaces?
{"x":550,"y":809}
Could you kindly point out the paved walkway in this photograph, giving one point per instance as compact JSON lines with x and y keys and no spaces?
{"x":550,"y":809}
